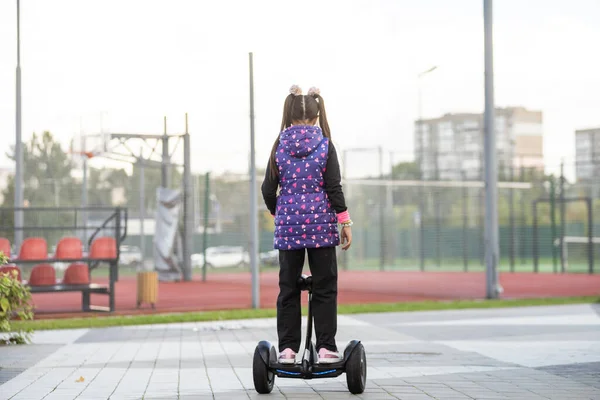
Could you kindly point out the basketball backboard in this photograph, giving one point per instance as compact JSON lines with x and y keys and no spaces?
{"x":93,"y":137}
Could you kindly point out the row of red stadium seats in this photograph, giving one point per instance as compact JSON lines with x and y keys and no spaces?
{"x":45,"y":274}
{"x":68,"y":248}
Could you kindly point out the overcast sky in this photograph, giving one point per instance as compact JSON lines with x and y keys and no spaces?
{"x":132,"y":62}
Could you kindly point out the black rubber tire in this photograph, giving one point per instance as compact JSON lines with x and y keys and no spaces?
{"x":263,"y":378}
{"x":356,"y":370}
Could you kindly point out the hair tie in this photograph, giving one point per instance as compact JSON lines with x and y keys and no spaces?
{"x":313,"y":91}
{"x":295,"y":90}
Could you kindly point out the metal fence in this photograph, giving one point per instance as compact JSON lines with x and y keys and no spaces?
{"x":439,"y":225}
{"x":431,"y":225}
{"x":55,"y":223}
{"x":428,"y":225}
{"x":401,"y":222}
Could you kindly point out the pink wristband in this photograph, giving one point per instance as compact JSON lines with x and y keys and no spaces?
{"x":343,"y":217}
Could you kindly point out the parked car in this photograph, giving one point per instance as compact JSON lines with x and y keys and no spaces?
{"x":130,"y":256}
{"x":270,"y":258}
{"x":222,"y":256}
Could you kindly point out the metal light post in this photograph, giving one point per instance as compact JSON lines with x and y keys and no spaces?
{"x":164,"y":168}
{"x":18,"y":143}
{"x":205,"y":230}
{"x":492,"y":250}
{"x":421,"y":168}
{"x":253,"y":198}
{"x":420,"y":76}
{"x":188,"y":205}
{"x":562,"y":216}
{"x":382,"y":254}
{"x":420,"y":112}
{"x":142,"y":201}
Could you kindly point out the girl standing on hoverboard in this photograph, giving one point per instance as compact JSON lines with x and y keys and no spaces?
{"x":310,"y":204}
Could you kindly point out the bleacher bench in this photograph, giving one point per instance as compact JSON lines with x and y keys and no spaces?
{"x":86,"y":291}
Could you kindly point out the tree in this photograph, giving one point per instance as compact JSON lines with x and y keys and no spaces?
{"x":47,"y":177}
{"x":101,"y":183}
{"x":47,"y":183}
{"x":406,"y":171}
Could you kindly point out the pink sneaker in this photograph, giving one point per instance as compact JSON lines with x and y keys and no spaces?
{"x":328,"y":356}
{"x":287,"y":356}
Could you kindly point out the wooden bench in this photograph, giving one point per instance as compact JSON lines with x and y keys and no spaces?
{"x":86,"y":291}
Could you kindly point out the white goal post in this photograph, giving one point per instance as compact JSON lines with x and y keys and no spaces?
{"x":574,"y":239}
{"x":440,"y":184}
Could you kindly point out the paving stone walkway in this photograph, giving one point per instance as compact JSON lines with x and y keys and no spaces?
{"x":520,"y":353}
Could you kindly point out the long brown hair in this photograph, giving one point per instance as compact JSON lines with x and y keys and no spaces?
{"x":300,"y":108}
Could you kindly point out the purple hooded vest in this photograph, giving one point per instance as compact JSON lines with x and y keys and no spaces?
{"x":304,"y":217}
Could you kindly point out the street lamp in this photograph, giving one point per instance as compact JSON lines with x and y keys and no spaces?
{"x":422,"y":166}
{"x":420,"y":113}
{"x":492,"y":247}
{"x":18,"y":143}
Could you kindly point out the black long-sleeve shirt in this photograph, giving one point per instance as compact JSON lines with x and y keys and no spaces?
{"x":332,"y":184}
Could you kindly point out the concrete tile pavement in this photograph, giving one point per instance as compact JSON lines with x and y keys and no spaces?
{"x":469,"y":354}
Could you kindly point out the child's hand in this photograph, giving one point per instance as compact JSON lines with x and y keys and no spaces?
{"x":346,"y":237}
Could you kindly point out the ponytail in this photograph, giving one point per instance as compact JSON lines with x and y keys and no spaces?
{"x":322,"y":116}
{"x":286,"y":121}
{"x":287,"y":111}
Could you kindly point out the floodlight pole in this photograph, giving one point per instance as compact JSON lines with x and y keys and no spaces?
{"x":253,"y":198}
{"x":142,"y":206}
{"x":164,"y":170}
{"x":492,"y":249}
{"x":422,"y":167}
{"x":18,"y":234}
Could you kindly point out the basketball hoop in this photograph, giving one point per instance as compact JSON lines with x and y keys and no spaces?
{"x":87,"y":154}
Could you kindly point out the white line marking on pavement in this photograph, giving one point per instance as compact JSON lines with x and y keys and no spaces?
{"x":571,"y":320}
{"x":533,"y":354}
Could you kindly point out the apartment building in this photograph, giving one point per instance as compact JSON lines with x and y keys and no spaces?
{"x":451,"y":147}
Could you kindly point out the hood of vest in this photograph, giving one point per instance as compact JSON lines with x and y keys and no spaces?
{"x":301,"y":140}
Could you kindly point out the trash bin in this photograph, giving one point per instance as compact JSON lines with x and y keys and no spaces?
{"x":147,"y":288}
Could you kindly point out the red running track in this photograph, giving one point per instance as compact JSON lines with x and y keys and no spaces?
{"x":233,"y":291}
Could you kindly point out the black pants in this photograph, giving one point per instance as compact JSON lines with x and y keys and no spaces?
{"x":323,"y":268}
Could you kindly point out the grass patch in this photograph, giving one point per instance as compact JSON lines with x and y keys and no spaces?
{"x":462,"y":304}
{"x":108,"y":321}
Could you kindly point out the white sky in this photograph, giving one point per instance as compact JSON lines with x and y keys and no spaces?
{"x":135,"y":61}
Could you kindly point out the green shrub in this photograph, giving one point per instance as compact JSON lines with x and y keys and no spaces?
{"x":15,"y":301}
